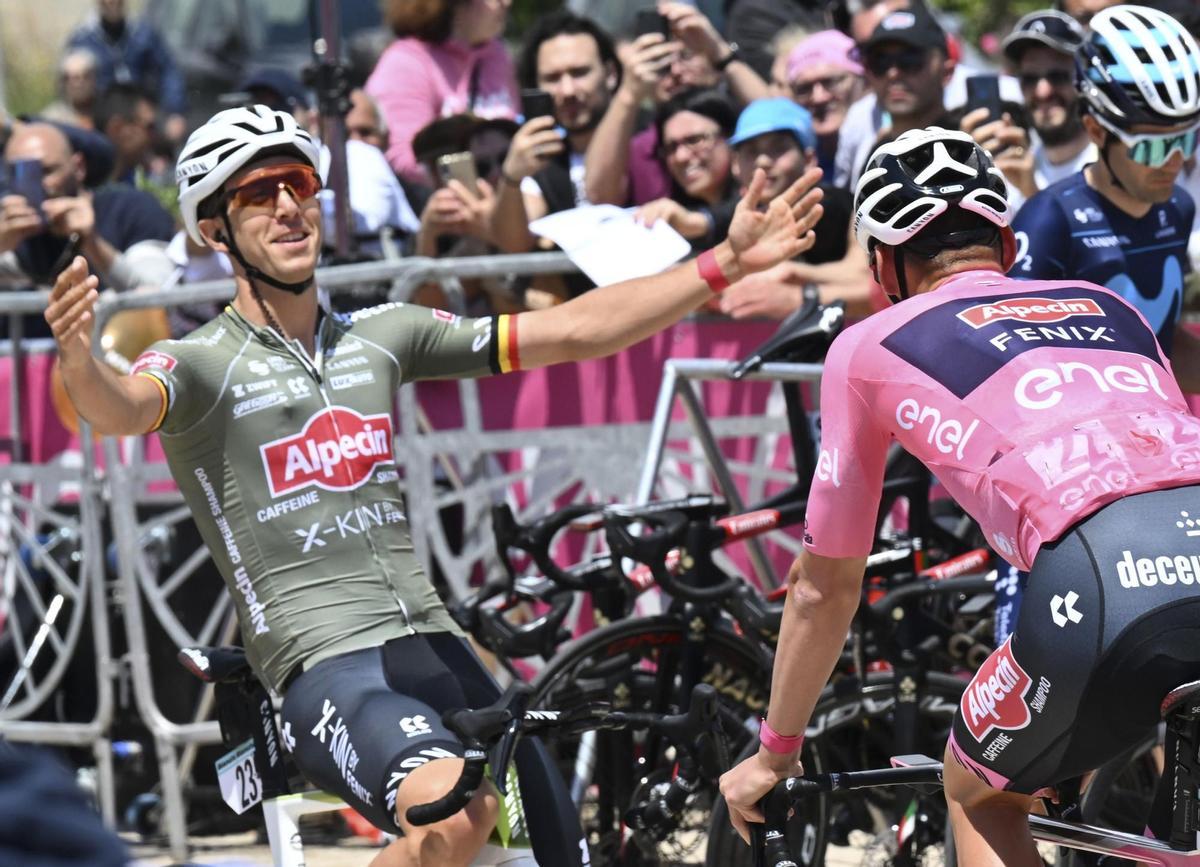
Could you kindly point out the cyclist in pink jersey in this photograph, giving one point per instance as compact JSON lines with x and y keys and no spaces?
{"x":1050,"y":413}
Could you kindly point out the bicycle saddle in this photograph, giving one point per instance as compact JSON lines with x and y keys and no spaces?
{"x":1184,"y":699}
{"x":803,"y":337}
{"x":215,"y":664}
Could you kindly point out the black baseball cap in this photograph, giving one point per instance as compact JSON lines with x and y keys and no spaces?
{"x":915,"y":27}
{"x":1046,"y":27}
{"x":283,"y":84}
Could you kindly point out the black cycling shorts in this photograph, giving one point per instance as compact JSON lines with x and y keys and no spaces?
{"x":1109,"y":625}
{"x":359,"y":723}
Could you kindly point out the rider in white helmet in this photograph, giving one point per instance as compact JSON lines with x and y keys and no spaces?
{"x":337,"y":623}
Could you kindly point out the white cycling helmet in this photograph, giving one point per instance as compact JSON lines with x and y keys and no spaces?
{"x":230,"y":140}
{"x":921,"y":175}
{"x":1140,"y":66}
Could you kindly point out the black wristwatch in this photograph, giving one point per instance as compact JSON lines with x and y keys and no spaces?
{"x":735,"y":53}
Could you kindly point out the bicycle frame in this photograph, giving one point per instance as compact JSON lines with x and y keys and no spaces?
{"x":921,"y":771}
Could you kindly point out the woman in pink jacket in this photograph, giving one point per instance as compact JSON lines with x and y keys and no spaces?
{"x":447,"y":60}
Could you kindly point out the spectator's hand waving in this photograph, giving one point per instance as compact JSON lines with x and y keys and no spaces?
{"x":532,"y":148}
{"x":69,"y":313}
{"x":695,"y":30}
{"x":1008,"y":144}
{"x":18,"y":221}
{"x":762,"y":238}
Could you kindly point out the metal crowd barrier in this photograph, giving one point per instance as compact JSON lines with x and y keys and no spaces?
{"x":440,"y":469}
{"x":677,"y":384}
{"x":46,"y":602}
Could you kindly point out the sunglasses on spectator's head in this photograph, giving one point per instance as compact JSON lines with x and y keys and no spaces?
{"x":261,"y":186}
{"x":1056,"y":77}
{"x":904,"y":59}
{"x":1154,"y":150}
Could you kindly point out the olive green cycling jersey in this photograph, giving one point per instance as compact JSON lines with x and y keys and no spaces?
{"x":286,"y":462}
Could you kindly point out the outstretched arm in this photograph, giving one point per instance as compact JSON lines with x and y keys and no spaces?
{"x":113,"y":404}
{"x":823,"y":594}
{"x":607,"y":320}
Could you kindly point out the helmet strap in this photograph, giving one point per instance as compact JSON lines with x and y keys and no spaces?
{"x":889,"y":273}
{"x":1108,"y":139}
{"x":254,"y":273}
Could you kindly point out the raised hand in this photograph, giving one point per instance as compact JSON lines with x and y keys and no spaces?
{"x":645,"y":62}
{"x":762,"y":238}
{"x":532,"y":148}
{"x":70,"y":312}
{"x":18,"y":221}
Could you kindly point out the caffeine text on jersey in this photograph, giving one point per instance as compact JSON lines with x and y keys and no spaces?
{"x":287,"y":465}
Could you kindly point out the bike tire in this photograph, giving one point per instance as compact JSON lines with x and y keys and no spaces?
{"x":635,"y":664}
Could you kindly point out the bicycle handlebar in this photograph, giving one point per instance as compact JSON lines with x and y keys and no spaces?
{"x":503,"y":722}
{"x":667,"y":530}
{"x":768,"y":841}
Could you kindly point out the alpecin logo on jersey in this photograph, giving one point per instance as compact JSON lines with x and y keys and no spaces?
{"x":1038,"y":310}
{"x":147,"y":360}
{"x":995,"y":698}
{"x":337,"y":450}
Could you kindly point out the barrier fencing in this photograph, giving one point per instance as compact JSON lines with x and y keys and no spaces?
{"x":536,"y":439}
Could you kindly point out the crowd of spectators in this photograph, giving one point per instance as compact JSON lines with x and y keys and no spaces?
{"x":667,"y":110}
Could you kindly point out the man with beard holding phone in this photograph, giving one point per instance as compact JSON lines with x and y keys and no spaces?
{"x":1041,"y":49}
{"x":574,"y":61}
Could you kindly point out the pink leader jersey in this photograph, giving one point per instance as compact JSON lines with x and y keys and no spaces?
{"x":416,"y":82}
{"x":1034,"y":403}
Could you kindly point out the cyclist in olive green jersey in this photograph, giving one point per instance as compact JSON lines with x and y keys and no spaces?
{"x":276,"y":420}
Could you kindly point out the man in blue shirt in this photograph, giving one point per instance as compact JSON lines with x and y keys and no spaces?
{"x":133,"y":52}
{"x":1122,"y":221}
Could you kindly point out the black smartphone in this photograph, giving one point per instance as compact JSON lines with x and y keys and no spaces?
{"x":649,"y":21}
{"x":25,"y":179}
{"x":983,"y":91}
{"x":536,"y":103}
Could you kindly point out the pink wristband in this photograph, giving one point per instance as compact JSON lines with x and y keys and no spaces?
{"x":710,"y":271}
{"x":777,"y":743}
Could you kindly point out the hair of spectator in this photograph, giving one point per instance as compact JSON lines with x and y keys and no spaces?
{"x":788,"y":38}
{"x":119,"y":100}
{"x":88,"y":58}
{"x":380,"y":117}
{"x":563,"y":24}
{"x":428,"y":20}
{"x":708,"y":102}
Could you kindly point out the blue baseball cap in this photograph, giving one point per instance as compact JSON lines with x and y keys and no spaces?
{"x":778,"y":114}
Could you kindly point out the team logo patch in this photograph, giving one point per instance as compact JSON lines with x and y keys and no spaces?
{"x":147,"y":360}
{"x":995,"y":698}
{"x":337,"y":450}
{"x":1039,"y":310}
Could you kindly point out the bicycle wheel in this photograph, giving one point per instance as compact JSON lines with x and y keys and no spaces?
{"x":853,"y":729}
{"x":640,"y":664}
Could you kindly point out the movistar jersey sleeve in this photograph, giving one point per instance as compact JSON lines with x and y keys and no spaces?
{"x":1069,"y":231}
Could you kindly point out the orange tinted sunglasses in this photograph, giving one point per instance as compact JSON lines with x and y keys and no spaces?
{"x":261,"y":187}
